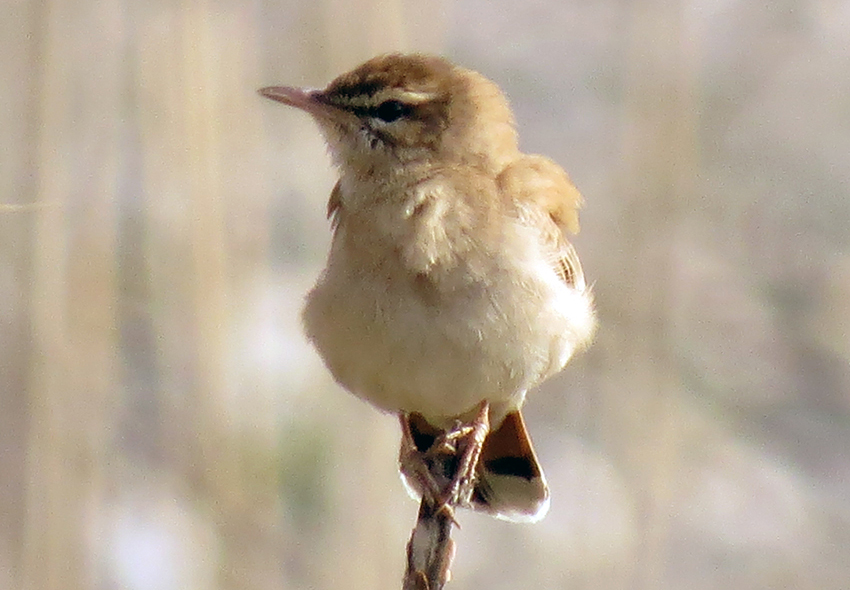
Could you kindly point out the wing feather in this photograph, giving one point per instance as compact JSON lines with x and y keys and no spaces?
{"x":541,"y":188}
{"x":335,"y":204}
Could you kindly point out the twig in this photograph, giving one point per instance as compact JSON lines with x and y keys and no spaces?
{"x":430,"y":550}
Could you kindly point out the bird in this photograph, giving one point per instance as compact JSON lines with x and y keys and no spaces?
{"x":451,"y":286}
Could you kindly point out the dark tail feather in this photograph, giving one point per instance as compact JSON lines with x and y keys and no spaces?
{"x":510,"y":484}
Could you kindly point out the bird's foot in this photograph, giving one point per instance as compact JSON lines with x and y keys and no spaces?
{"x":442,"y":465}
{"x":467,"y":440}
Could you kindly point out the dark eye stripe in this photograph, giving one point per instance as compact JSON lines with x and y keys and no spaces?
{"x":388,"y":111}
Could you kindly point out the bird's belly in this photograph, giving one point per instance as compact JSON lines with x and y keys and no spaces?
{"x":403,"y":347}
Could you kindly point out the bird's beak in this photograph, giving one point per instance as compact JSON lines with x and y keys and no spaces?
{"x":306,"y":99}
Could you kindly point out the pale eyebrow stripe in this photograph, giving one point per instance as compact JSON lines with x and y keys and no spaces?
{"x":410,"y":97}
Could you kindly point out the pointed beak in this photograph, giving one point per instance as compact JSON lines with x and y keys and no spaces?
{"x":306,"y":99}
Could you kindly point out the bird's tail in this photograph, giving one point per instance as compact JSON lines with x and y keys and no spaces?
{"x":509,"y":482}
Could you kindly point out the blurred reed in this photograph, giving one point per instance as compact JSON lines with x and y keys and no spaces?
{"x":164,"y":425}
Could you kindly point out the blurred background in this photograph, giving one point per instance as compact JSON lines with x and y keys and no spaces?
{"x":164,"y":425}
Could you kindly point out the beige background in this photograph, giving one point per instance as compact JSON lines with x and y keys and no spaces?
{"x":163,"y":424}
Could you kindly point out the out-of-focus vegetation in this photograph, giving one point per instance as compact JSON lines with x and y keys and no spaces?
{"x":164,"y":425}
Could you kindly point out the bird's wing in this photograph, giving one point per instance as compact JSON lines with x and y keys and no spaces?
{"x":545,"y":194}
{"x":335,"y":204}
{"x":569,"y":267}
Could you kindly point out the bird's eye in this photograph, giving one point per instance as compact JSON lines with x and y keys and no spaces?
{"x":391,"y":110}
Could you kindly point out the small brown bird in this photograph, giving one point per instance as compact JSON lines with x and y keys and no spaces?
{"x":451,"y":288}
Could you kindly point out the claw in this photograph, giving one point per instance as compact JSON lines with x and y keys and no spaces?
{"x":462,"y":486}
{"x":446,"y":471}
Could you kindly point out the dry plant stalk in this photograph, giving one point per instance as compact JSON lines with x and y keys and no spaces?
{"x":431,"y":549}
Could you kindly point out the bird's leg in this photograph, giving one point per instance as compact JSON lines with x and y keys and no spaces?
{"x":414,"y":463}
{"x":445,"y":471}
{"x":467,"y":440}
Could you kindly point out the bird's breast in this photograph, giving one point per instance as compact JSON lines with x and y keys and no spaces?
{"x":416,"y":315}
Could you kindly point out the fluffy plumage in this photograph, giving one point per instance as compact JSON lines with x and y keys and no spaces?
{"x":451,"y":279}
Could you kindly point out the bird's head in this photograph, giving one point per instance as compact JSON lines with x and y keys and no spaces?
{"x":400,"y":110}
